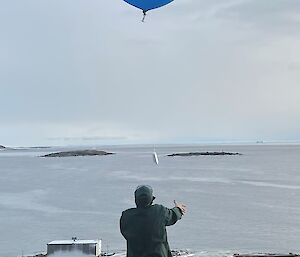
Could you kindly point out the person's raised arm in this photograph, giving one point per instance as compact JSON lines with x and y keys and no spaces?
{"x":174,"y":214}
{"x":181,"y":206}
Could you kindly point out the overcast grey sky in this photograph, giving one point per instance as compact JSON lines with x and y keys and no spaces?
{"x":89,"y":71}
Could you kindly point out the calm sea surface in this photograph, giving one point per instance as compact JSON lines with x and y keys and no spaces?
{"x":247,"y":203}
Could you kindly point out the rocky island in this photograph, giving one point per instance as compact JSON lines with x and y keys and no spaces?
{"x":78,"y":153}
{"x":202,"y":154}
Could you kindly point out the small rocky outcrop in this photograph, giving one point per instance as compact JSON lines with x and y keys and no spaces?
{"x":39,"y":147}
{"x":38,"y":255}
{"x":2,"y":147}
{"x":202,"y":154}
{"x":266,"y":255}
{"x":78,"y":153}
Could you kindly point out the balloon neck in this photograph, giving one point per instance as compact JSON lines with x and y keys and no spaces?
{"x":144,"y":16}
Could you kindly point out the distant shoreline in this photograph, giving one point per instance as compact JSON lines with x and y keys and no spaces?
{"x":77,"y":153}
{"x":151,"y":145}
{"x":189,"y":154}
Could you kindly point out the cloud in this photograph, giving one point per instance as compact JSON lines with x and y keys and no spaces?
{"x":272,"y":17}
{"x":294,"y":66}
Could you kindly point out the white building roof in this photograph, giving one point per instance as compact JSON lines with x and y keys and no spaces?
{"x":70,"y":242}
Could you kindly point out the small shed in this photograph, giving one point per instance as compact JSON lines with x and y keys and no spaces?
{"x":89,"y":247}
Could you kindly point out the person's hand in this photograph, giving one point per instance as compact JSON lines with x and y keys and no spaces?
{"x":181,"y":206}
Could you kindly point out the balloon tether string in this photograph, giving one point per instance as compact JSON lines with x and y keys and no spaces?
{"x":144,"y":16}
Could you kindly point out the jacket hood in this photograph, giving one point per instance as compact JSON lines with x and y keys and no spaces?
{"x":143,"y":196}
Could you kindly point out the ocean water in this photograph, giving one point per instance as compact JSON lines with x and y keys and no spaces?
{"x":247,"y":203}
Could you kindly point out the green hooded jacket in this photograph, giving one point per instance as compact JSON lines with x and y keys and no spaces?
{"x":145,"y":230}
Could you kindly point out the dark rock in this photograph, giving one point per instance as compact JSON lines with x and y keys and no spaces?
{"x":5,"y":148}
{"x":179,"y":253}
{"x":77,"y":153}
{"x":38,"y":255}
{"x":202,"y":154}
{"x":266,"y":255}
{"x":39,"y":147}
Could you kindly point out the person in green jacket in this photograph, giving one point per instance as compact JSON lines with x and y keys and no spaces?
{"x":144,"y":227}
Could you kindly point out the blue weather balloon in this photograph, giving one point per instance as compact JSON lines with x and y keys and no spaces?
{"x":146,"y":5}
